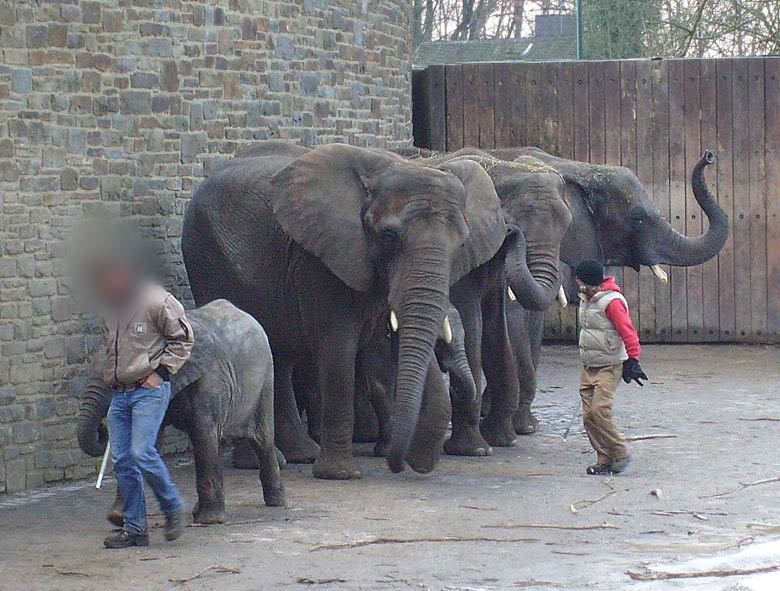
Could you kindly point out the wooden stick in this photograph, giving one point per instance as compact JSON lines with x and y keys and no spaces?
{"x":604,"y":525}
{"x":377,"y":541}
{"x":588,"y":502}
{"x":651,"y":436}
{"x":660,"y":576}
{"x":217,"y":568}
{"x":742,"y":486}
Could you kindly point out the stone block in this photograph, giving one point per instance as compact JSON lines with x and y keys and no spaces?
{"x":138,"y":102}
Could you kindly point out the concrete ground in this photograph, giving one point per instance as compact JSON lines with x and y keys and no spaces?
{"x":505,"y":522}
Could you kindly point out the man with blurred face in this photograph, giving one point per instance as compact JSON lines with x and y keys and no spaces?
{"x":147,"y":340}
{"x":609,"y":350}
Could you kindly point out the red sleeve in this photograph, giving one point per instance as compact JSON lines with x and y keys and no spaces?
{"x":617,"y":312}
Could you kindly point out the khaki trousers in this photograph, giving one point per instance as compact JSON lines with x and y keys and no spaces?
{"x":597,"y":390}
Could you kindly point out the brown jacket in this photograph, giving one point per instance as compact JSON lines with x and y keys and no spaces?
{"x":151,"y":332}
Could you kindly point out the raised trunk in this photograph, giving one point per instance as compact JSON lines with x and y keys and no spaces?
{"x":92,"y":434}
{"x":421,"y":297}
{"x":533,"y":277}
{"x":461,"y":376}
{"x":682,"y":251}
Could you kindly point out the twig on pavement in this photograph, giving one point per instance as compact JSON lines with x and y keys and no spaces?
{"x":663,"y":576}
{"x":376,"y":541}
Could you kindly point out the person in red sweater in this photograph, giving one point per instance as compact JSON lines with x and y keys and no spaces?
{"x":609,"y":350}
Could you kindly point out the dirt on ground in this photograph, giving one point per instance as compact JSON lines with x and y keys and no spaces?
{"x":701,"y":499}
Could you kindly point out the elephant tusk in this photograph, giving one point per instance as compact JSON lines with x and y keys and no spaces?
{"x":562,"y":299}
{"x":512,"y":296}
{"x":659,"y":273}
{"x":393,"y":321}
{"x":447,"y":330}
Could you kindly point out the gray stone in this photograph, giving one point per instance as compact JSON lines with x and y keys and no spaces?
{"x":285,"y":48}
{"x":137,"y":102}
{"x":21,"y":80}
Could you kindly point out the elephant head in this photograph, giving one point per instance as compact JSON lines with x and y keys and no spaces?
{"x":385,"y":225}
{"x":531,"y":200}
{"x":615,"y":220}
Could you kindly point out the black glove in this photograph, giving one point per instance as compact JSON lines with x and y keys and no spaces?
{"x":633,"y":371}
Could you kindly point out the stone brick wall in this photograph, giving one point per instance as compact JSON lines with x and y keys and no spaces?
{"x":119,"y":107}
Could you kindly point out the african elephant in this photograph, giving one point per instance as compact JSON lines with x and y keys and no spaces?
{"x":537,"y":219}
{"x":615,"y":221}
{"x":322,"y":249}
{"x":224,"y":391}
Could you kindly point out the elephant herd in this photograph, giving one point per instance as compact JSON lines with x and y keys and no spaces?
{"x":373,"y":272}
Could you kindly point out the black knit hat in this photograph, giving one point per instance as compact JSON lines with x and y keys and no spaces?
{"x":590,"y":273}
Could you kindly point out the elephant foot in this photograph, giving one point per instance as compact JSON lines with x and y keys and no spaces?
{"x":244,"y":456}
{"x":273,"y":495}
{"x":209,"y":513}
{"x":467,"y":442}
{"x":524,"y":421}
{"x":280,"y":458}
{"x":332,"y":467}
{"x":302,"y":451}
{"x":115,"y":517}
{"x":499,"y":432}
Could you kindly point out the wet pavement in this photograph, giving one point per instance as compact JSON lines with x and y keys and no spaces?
{"x":527,"y":517}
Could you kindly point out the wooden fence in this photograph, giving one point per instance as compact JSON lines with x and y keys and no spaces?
{"x":655,"y":117}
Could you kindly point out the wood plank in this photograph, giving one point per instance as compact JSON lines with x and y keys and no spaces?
{"x":549,"y":105}
{"x":644,"y":170}
{"x":453,"y":82}
{"x":724,"y":126}
{"x":677,"y":172}
{"x":502,"y":117}
{"x":663,"y":311}
{"x":772,"y":178}
{"x":709,"y":141}
{"x":757,"y":208}
{"x":486,"y":106}
{"x":628,"y":156}
{"x":534,"y":115}
{"x":437,"y":108}
{"x":740,"y":80}
{"x":470,"y":106}
{"x":517,"y":90}
{"x":610,"y":92}
{"x":565,"y":110}
{"x":693,"y":215}
{"x":597,"y":129}
{"x":581,"y":112}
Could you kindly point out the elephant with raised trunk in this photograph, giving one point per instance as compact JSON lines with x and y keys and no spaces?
{"x":615,"y":221}
{"x":322,"y":249}
{"x":224,"y":391}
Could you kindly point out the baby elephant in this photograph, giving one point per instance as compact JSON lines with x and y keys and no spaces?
{"x":224,"y":391}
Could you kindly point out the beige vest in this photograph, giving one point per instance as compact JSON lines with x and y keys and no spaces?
{"x":600,"y":343}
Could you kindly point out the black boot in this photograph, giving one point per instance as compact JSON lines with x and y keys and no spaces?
{"x":124,"y":539}
{"x":599,"y":470}
{"x":173,"y":526}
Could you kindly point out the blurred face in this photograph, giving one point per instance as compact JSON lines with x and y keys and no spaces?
{"x":114,"y":282}
{"x":588,"y":290}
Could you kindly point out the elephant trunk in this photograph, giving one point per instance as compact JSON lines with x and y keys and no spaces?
{"x":92,"y":434}
{"x":533,"y":277}
{"x":461,"y":376}
{"x":422,"y":297}
{"x":684,"y":251}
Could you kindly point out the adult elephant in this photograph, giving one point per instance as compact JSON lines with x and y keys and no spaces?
{"x":322,"y":249}
{"x":615,"y":221}
{"x":224,"y":391}
{"x":537,"y":218}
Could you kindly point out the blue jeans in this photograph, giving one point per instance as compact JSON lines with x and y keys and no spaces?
{"x":134,"y":420}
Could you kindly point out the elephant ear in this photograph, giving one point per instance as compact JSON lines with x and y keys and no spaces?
{"x":204,"y":354}
{"x":585,"y":207}
{"x":483,"y":214}
{"x":318,"y":200}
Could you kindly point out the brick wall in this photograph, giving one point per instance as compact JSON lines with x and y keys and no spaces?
{"x":120,"y":107}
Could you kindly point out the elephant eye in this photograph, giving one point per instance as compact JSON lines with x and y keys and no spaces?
{"x":637,"y":221}
{"x":389,"y":238}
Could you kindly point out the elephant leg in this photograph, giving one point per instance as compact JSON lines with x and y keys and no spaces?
{"x":115,"y":516}
{"x":466,"y":440}
{"x":291,"y":436}
{"x":210,"y":507}
{"x":336,"y":362}
{"x":304,"y":380}
{"x":500,"y":372}
{"x":527,"y":358}
{"x":425,"y":450}
{"x":263,"y":443}
{"x":380,"y":401}
{"x":366,"y":421}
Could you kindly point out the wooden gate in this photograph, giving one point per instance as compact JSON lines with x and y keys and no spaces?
{"x":655,"y":117}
